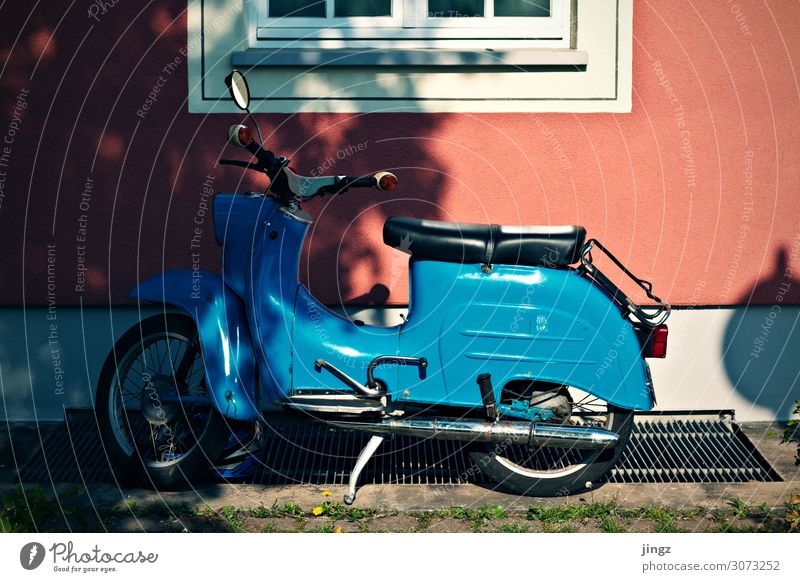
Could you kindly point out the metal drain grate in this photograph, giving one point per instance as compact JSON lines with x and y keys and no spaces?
{"x":663,"y":449}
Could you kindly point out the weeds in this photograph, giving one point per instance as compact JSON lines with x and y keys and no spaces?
{"x":232,"y":518}
{"x":609,"y":524}
{"x":740,"y":508}
{"x":513,"y":528}
{"x":24,"y":511}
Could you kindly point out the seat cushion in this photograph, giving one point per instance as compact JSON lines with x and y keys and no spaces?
{"x":459,"y":242}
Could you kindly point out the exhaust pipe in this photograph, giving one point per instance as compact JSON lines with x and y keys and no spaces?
{"x":472,"y":430}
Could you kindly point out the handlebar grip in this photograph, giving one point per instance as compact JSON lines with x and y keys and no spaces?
{"x":362,"y":182}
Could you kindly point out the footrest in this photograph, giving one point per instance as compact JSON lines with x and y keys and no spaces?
{"x":332,"y":403}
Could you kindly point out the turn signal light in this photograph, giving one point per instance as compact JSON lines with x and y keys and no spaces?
{"x":240,"y":136}
{"x":386,"y":181}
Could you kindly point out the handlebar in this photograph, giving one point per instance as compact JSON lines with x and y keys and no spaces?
{"x":286,"y":184}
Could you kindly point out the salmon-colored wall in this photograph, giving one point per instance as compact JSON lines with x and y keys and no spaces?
{"x":697,"y":189}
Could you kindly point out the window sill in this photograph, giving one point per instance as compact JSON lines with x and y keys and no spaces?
{"x":520,"y":59}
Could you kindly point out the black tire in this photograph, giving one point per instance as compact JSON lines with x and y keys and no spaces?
{"x":516,"y":470}
{"x":196,"y":433}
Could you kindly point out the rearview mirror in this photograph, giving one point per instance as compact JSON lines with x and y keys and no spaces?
{"x":240,"y":92}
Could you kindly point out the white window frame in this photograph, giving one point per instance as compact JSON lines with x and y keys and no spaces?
{"x":291,"y":78}
{"x":410,"y":27}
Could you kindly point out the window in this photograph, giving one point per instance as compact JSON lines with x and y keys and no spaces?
{"x":413,"y":23}
{"x":413,"y":55}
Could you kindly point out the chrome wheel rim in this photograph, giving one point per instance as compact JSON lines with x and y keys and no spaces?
{"x":553,"y":462}
{"x":144,"y":375}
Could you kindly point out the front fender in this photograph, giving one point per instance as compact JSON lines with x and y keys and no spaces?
{"x":230,"y":364}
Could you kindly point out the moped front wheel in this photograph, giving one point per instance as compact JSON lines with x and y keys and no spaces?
{"x":550,"y":471}
{"x":155,"y":416}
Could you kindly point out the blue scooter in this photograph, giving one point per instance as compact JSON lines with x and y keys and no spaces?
{"x":515,"y":344}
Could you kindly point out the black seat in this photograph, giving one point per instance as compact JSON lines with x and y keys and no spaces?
{"x":458,"y":242}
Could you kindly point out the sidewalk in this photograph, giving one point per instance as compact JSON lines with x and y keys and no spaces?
{"x":234,"y":506}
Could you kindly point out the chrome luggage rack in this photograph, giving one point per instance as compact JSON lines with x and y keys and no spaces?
{"x":650,"y":316}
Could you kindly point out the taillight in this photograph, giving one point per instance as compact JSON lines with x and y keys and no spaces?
{"x":657,"y":343}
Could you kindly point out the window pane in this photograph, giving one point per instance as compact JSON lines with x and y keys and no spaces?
{"x":363,"y":8}
{"x":297,"y":8}
{"x":522,"y":8}
{"x":454,"y":8}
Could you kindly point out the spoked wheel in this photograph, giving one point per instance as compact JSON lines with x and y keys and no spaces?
{"x":155,"y":414}
{"x":551,"y":471}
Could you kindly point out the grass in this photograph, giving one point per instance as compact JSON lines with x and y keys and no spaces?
{"x":609,"y":524}
{"x":232,"y":518}
{"x":30,"y":510}
{"x":740,"y":508}
{"x":571,"y":512}
{"x":25,"y":510}
{"x":513,"y":528}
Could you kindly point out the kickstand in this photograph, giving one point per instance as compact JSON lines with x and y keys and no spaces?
{"x":363,"y":458}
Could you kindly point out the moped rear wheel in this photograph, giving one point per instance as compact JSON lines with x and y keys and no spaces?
{"x":550,"y":471}
{"x":150,"y":433}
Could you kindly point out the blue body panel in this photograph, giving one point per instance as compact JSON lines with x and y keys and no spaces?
{"x":224,"y":334}
{"x":516,"y":323}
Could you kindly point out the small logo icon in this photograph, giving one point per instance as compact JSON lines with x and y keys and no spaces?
{"x":31,"y":555}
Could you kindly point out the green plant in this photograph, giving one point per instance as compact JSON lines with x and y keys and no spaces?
{"x":720,"y":516}
{"x":292,"y":510}
{"x":763,"y":511}
{"x":609,"y":524}
{"x":568,"y":512}
{"x":424,"y":520}
{"x":356,"y":513}
{"x":740,"y":508}
{"x":512,"y":528}
{"x":262,"y":512}
{"x":790,"y":433}
{"x":657,"y":513}
{"x":667,"y":526}
{"x":793,"y":513}
{"x":23,"y":510}
{"x":492,"y":512}
{"x":231,"y":516}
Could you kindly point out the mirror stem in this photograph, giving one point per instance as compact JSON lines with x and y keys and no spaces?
{"x":258,"y":129}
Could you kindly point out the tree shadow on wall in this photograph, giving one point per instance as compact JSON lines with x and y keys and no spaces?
{"x":147,"y":168}
{"x":761,"y":349}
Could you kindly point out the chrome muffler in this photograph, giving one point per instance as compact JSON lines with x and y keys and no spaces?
{"x":501,"y":432}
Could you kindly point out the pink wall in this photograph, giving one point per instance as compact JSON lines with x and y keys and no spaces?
{"x":697,"y":188}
